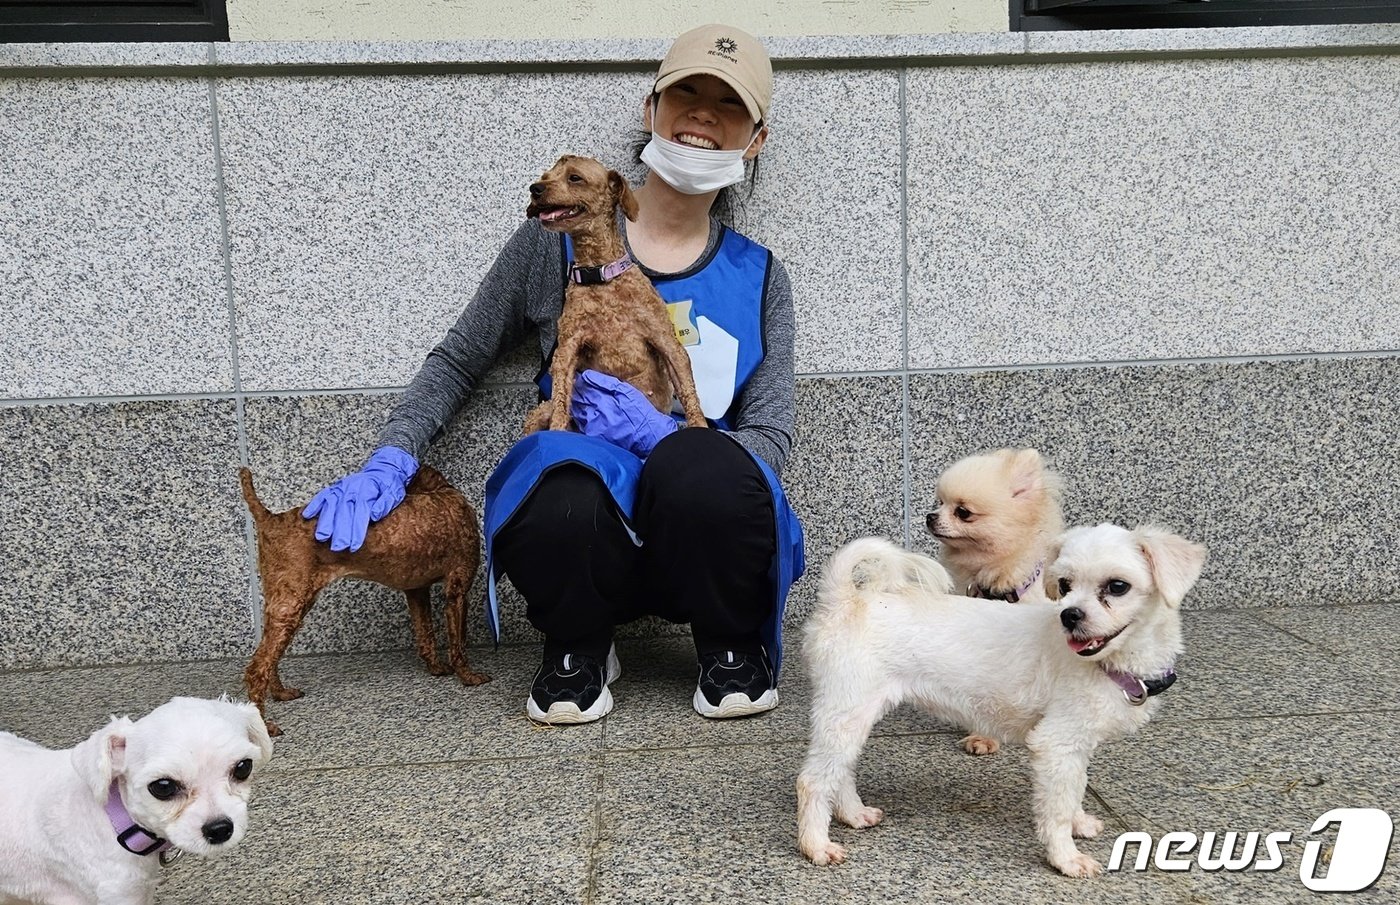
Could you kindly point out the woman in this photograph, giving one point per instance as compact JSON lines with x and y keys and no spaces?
{"x":635,"y":515}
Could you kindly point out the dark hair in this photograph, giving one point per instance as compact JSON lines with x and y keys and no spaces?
{"x":729,"y":204}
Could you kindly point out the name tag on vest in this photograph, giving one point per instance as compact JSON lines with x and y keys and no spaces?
{"x":683,"y":322}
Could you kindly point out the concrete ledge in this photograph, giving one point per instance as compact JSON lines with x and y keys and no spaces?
{"x":35,"y":59}
{"x":788,"y":52}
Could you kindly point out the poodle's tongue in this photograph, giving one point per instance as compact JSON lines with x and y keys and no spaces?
{"x":557,"y":213}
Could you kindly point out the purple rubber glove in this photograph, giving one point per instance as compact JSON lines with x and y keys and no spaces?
{"x":614,"y":410}
{"x":344,"y":510}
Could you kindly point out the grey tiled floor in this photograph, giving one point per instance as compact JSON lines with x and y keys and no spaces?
{"x":393,"y":786}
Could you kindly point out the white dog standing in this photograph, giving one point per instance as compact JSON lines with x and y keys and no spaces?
{"x":86,"y":825}
{"x":1059,"y":678}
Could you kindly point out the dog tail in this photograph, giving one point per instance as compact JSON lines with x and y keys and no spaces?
{"x":874,"y":564}
{"x":428,"y":480}
{"x":255,"y":505}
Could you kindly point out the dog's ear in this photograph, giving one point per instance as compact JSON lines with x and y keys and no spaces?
{"x":102,"y":756}
{"x":1049,"y":581}
{"x":1175,"y":562}
{"x":257,"y":731}
{"x":1027,"y":473}
{"x":623,"y":193}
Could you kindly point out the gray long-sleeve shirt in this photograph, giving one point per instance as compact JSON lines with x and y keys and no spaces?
{"x":525,"y":288}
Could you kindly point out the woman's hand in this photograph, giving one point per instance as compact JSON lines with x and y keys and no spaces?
{"x":344,"y":510}
{"x":614,"y":410}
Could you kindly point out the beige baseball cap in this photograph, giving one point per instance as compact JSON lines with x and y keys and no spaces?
{"x":724,"y":51}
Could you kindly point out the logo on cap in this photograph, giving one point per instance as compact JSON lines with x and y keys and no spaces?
{"x":726,"y":47}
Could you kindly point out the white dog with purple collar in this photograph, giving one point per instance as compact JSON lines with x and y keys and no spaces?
{"x":90,"y":825}
{"x":1059,"y":677}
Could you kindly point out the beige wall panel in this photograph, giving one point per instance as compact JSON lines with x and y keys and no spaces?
{"x":436,"y":20}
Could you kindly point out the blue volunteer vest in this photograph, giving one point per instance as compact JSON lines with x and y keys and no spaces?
{"x":717,"y":310}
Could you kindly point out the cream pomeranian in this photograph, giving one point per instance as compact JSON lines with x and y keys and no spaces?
{"x":1060,"y":678}
{"x":997,"y":514}
{"x":996,"y":517}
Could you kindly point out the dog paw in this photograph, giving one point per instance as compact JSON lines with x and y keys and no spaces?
{"x":1086,"y":826}
{"x":437,"y":669}
{"x":1078,"y":865}
{"x":827,"y":853}
{"x":469,"y":677}
{"x":865,"y":817}
{"x":980,"y":745}
{"x":285,"y":694}
{"x":272,"y":728}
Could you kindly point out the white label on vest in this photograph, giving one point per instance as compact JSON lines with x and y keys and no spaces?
{"x":715,"y":363}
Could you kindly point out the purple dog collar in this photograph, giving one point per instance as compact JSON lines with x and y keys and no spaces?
{"x":592,"y":276}
{"x":130,"y":835}
{"x":1136,"y":690}
{"x":1012,"y":596}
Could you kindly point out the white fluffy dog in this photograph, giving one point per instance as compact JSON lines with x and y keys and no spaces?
{"x":86,"y":825}
{"x":1060,"y":678}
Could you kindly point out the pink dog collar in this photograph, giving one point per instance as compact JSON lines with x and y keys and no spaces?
{"x":130,"y":835}
{"x":592,"y":276}
{"x":1136,"y":690}
{"x":1012,"y":596}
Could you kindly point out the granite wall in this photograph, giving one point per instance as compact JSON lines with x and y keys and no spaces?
{"x":1167,"y":259}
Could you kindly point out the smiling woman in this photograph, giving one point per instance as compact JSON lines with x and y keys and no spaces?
{"x":628,"y":514}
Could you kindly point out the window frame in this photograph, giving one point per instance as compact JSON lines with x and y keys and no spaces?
{"x":22,"y":21}
{"x":1088,"y":15}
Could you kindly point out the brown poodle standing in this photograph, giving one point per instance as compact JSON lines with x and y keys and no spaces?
{"x":432,"y":536}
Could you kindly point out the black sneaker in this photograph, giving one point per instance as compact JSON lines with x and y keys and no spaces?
{"x":572,"y":688}
{"x":734,"y":684}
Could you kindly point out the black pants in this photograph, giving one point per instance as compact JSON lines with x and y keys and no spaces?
{"x":705,"y":541}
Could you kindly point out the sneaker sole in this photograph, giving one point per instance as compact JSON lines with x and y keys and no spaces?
{"x":734,"y":705}
{"x":567,"y":713}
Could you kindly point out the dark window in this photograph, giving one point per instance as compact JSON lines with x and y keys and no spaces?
{"x":114,"y":20}
{"x":1049,"y":15}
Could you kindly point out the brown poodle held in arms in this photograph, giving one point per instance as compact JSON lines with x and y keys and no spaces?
{"x":613,"y":320}
{"x":432,"y":536}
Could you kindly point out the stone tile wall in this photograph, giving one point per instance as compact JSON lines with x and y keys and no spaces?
{"x":1173,"y":271}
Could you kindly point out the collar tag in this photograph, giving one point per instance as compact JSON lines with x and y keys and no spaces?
{"x":605,"y":273}
{"x":1136,"y":691}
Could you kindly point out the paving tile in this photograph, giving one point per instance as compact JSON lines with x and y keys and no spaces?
{"x":503,"y":832}
{"x":653,"y":703}
{"x":395,"y":786}
{"x":59,"y":708}
{"x":1266,"y":775}
{"x":358,"y":708}
{"x":386,"y":708}
{"x":719,"y":826}
{"x":1237,"y":665}
{"x":1356,"y":636}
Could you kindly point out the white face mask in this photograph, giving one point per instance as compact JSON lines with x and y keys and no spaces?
{"x":691,"y":170}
